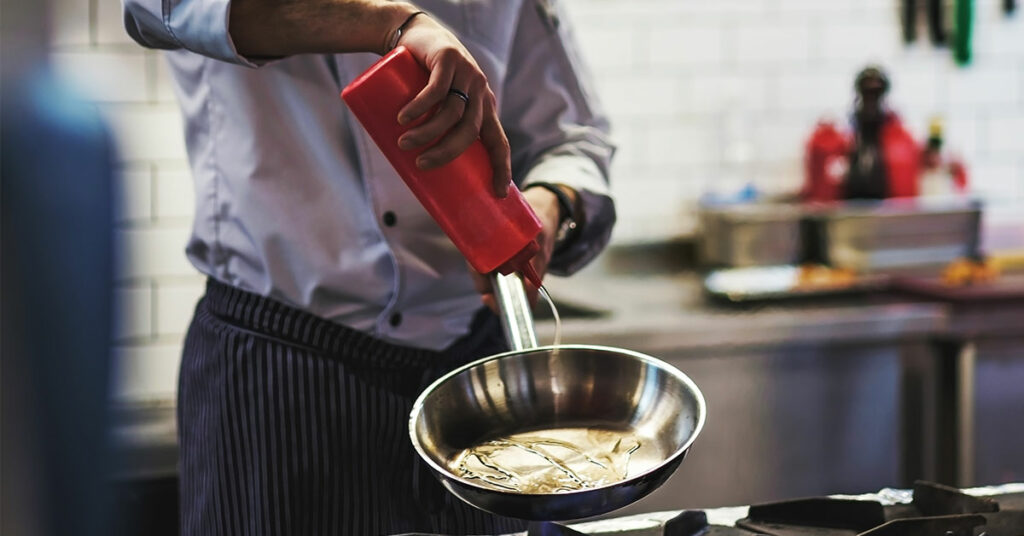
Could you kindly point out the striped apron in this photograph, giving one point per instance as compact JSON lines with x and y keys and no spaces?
{"x":293,"y":425}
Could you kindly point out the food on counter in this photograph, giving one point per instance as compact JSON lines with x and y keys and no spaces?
{"x":968,"y":271}
{"x":763,"y":281}
{"x":816,"y":276}
{"x":753,"y":280}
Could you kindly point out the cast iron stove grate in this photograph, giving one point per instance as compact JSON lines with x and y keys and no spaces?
{"x":936,"y":510}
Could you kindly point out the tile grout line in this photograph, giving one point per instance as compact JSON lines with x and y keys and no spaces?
{"x":154,"y":318}
{"x":94,"y":31}
{"x":153,"y":201}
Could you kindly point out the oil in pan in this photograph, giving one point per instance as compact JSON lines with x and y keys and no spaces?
{"x":557,"y":460}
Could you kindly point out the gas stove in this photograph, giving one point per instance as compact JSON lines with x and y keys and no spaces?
{"x":929,"y":509}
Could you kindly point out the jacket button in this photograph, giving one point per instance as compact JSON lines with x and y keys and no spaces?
{"x":396,"y":320}
{"x":390,"y":219}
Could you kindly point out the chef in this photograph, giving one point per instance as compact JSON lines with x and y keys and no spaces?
{"x":332,"y":297}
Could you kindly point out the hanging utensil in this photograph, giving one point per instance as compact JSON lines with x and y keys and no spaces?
{"x":963,"y":22}
{"x":936,"y":22}
{"x":909,"y":20}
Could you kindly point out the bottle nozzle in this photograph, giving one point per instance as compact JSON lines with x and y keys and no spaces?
{"x":530,"y":274}
{"x":520,"y":262}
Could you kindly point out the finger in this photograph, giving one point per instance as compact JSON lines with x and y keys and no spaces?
{"x":455,"y":141}
{"x":491,"y":302}
{"x":450,"y":113}
{"x":493,"y":138}
{"x":481,"y":282}
{"x":434,"y":92}
{"x":445,"y":118}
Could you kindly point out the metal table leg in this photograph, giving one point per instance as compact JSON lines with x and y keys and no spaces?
{"x":917,"y":394}
{"x":954,"y":419}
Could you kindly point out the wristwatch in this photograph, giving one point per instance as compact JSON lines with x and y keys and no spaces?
{"x":567,"y":225}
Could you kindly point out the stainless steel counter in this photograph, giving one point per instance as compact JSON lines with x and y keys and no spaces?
{"x":804,"y":398}
{"x":913,"y":388}
{"x":659,"y":314}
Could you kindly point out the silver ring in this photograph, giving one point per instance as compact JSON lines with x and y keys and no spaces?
{"x":460,"y":94}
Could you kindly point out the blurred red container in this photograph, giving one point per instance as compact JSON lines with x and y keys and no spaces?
{"x":492,"y":233}
{"x":826,"y":162}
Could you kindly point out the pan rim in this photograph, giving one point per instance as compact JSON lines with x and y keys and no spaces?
{"x":661,"y":364}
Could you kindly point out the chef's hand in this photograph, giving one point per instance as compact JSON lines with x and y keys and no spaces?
{"x":545,"y":205}
{"x":272,"y":29}
{"x":457,"y":123}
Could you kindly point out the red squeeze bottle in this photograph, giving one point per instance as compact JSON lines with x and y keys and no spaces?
{"x":492,"y":233}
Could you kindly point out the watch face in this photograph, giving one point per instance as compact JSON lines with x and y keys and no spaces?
{"x":565,"y":230}
{"x":566,"y":225}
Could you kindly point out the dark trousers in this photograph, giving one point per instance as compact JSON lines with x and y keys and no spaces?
{"x":293,"y":425}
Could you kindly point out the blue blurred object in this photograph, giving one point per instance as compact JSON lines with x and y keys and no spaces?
{"x":57,"y":275}
{"x":747,"y":194}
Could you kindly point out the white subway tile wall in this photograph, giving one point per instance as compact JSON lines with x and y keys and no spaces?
{"x":147,"y":372}
{"x":174,"y":195}
{"x":109,"y":25}
{"x":106,"y":75}
{"x":134,"y":305}
{"x":153,"y":250}
{"x":770,"y":42}
{"x":704,"y":95}
{"x":148,"y":132}
{"x":1005,"y":135}
{"x":136,"y":202}
{"x":70,"y":24}
{"x":175,"y":302}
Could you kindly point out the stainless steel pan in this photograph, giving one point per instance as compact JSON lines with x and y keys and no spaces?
{"x":630,"y":416}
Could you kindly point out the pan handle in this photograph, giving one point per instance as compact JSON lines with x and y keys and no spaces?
{"x":516,"y":317}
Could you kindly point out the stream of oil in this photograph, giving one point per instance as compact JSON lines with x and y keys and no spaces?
{"x":554,"y":313}
{"x":556,"y":460}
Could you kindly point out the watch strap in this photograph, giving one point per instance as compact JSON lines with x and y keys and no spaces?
{"x":567,"y":224}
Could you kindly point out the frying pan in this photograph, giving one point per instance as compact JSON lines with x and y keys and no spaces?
{"x":532,"y":390}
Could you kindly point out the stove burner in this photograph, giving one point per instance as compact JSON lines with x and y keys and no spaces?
{"x":695,"y":523}
{"x":551,"y":529}
{"x":936,"y":510}
{"x":536,"y":528}
{"x":847,"y":514}
{"x":936,"y":500}
{"x":957,"y":525}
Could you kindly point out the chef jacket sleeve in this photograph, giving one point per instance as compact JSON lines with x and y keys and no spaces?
{"x":197,"y":25}
{"x":555,"y":127}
